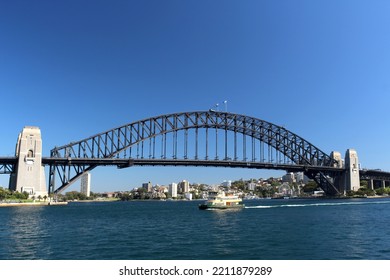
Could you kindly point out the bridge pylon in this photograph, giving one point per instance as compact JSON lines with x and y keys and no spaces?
{"x":349,"y":179}
{"x":29,"y":173}
{"x":352,"y":176}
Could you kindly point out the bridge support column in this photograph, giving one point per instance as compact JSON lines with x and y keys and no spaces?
{"x":352,"y":177}
{"x":85,"y":184}
{"x":29,"y":173}
{"x":371,"y":184}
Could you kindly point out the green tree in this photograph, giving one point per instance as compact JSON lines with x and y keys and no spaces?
{"x":362,"y":192}
{"x":3,"y":194}
{"x":310,"y":187}
{"x":380,"y":191}
{"x":25,"y":195}
{"x":125,"y":197}
{"x":275,"y":184}
{"x":239,"y":184}
{"x":364,"y":184}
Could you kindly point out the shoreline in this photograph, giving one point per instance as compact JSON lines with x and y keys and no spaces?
{"x":47,"y":203}
{"x":18,"y":204}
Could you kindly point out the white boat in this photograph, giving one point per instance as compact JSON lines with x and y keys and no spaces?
{"x":221,"y":200}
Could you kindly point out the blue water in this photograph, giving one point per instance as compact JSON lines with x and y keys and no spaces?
{"x":265,"y":229}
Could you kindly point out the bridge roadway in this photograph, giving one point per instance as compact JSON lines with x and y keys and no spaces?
{"x":7,"y":164}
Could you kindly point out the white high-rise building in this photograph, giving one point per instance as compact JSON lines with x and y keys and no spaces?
{"x":85,"y":185}
{"x":172,"y":191}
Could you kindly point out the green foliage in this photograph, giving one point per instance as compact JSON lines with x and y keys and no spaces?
{"x":310,"y":187}
{"x":363,"y":192}
{"x":275,"y":184}
{"x":3,"y":194}
{"x":126,"y":196}
{"x":73,"y":195}
{"x":238,"y":184}
{"x":267,"y":192}
{"x":383,"y":191}
{"x":6,"y":194}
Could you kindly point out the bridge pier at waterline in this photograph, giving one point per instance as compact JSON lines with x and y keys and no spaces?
{"x":349,"y":180}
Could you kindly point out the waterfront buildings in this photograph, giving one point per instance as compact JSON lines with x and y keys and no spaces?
{"x":184,"y":186}
{"x":251,"y":186}
{"x":227,"y":184}
{"x":289,"y":178}
{"x":298,"y":177}
{"x":147,"y":186}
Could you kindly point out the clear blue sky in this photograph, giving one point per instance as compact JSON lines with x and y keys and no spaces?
{"x":76,"y":68}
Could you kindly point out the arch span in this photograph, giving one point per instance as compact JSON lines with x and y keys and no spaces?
{"x":196,"y":138}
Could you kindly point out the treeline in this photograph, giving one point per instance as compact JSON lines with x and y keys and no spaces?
{"x":74,"y":195}
{"x":6,"y":194}
{"x":365,"y":191}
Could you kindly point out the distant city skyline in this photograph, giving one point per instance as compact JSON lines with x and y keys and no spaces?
{"x":78,"y":68}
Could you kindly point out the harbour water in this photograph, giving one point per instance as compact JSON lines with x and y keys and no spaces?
{"x":293,"y":229}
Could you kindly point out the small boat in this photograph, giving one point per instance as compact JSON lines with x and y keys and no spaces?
{"x":221,"y":200}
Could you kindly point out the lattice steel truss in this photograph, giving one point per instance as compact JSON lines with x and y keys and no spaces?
{"x":196,"y":138}
{"x":7,"y":165}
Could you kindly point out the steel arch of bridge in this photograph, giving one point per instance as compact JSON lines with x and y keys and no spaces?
{"x":205,"y":138}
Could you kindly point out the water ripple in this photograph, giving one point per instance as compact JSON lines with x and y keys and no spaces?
{"x":301,"y":229}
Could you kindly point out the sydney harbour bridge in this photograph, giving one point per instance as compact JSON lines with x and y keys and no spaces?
{"x":204,"y":138}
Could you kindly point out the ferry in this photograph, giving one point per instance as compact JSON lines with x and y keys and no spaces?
{"x":221,"y":200}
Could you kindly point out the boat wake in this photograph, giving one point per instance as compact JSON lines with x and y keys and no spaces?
{"x":317,"y":204}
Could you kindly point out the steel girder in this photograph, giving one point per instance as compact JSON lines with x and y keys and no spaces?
{"x":7,"y":165}
{"x":6,"y":168}
{"x":144,"y":135}
{"x":377,"y":174}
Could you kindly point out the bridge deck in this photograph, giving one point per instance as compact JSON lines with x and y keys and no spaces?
{"x":123,"y":163}
{"x":7,"y":164}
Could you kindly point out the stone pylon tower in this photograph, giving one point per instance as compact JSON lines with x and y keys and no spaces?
{"x":338,"y":181}
{"x":352,"y":177}
{"x":29,"y":175}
